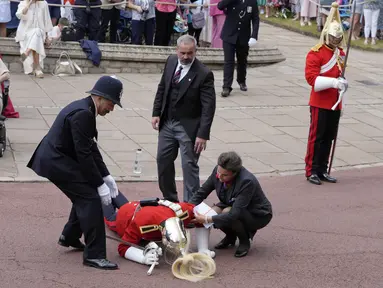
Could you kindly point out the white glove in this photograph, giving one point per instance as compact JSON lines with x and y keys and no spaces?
{"x":104,"y":193}
{"x":342,"y":84}
{"x":152,"y":253}
{"x":109,"y":181}
{"x":252,"y":42}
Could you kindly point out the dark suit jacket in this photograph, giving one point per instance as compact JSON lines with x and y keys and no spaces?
{"x":246,"y":193}
{"x":236,"y":28}
{"x":68,"y":152}
{"x":195,"y":106}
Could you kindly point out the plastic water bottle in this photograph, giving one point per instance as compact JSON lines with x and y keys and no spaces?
{"x":137,"y":166}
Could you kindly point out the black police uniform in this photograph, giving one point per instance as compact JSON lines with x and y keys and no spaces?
{"x":88,"y":20}
{"x":236,"y":33}
{"x":69,"y":157}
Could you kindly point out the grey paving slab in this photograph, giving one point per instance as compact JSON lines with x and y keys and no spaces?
{"x":267,"y":125}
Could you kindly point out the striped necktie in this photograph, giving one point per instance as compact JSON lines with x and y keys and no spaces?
{"x":177,"y":75}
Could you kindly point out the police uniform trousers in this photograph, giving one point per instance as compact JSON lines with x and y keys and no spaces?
{"x":230,"y":51}
{"x":86,"y":216}
{"x":87,"y":21}
{"x":172,"y":136}
{"x":323,"y":128}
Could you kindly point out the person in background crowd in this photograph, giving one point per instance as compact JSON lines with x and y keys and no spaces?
{"x":5,"y":16}
{"x":297,"y":9}
{"x":54,"y":11}
{"x":31,"y":34}
{"x":356,"y":24}
{"x":143,"y":21}
{"x":55,"y":33}
{"x":237,"y":37}
{"x":165,"y":18}
{"x":218,"y":19}
{"x":87,"y":19}
{"x":110,"y":14}
{"x":371,"y":11}
{"x":308,"y":11}
{"x":9,"y":110}
{"x":197,"y":7}
{"x":14,"y":23}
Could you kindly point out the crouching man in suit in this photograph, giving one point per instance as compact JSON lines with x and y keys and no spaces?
{"x":243,"y":208}
{"x":69,"y":157}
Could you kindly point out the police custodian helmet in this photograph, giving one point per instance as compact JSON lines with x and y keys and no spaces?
{"x":108,"y":87}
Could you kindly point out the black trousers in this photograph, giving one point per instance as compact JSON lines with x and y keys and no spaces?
{"x":323,"y":126}
{"x":196,"y":33}
{"x":86,"y":216}
{"x":230,"y":51}
{"x":87,"y":21}
{"x":112,"y":16}
{"x":164,"y":27}
{"x":246,"y":225}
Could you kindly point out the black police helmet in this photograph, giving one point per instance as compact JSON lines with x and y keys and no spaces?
{"x":109,"y":88}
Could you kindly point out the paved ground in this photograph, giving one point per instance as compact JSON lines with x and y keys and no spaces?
{"x":268,"y":125}
{"x":320,"y":237}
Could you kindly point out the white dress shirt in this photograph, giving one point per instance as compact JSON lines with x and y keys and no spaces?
{"x":185,"y":69}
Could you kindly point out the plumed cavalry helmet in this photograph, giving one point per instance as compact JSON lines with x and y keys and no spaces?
{"x":333,"y":26}
{"x":174,"y":237}
{"x":108,"y":87}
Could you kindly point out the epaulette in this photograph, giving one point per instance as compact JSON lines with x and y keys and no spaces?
{"x":316,"y":47}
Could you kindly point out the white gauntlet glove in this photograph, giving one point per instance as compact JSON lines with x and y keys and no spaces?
{"x":252,"y":42}
{"x":104,"y":193}
{"x":112,"y":185}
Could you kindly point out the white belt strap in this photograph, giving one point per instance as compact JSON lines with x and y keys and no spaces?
{"x":333,"y":61}
{"x":175,"y":207}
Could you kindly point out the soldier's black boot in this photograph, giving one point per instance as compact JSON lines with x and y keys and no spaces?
{"x":314,"y":179}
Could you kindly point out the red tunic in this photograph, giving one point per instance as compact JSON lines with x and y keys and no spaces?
{"x":145,"y":222}
{"x":315,"y":61}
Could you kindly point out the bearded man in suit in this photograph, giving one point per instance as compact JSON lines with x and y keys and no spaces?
{"x":183,"y":112}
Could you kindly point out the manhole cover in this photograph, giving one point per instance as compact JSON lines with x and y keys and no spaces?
{"x":368,"y":82}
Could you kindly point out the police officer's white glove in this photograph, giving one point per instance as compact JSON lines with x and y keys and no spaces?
{"x":152,"y":253}
{"x":252,"y":42}
{"x":104,"y":193}
{"x":111,"y":183}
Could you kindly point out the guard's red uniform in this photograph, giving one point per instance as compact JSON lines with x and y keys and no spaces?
{"x":327,"y":62}
{"x":144,"y":225}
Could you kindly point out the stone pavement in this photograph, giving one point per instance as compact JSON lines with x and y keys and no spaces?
{"x":327,"y":236}
{"x":268,"y":125}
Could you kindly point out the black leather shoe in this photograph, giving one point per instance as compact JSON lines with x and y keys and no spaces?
{"x":314,"y":179}
{"x":226,"y":242}
{"x":100,"y":264}
{"x":75,"y":244}
{"x":243,"y":249}
{"x":225,"y":92}
{"x":327,"y":178}
{"x":242,"y":86}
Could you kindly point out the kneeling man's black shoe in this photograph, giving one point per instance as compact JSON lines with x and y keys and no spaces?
{"x":314,"y":179}
{"x":327,"y":178}
{"x":77,"y":244}
{"x":243,"y":249}
{"x":100,"y":264}
{"x":226,"y":242}
{"x":242,"y":86}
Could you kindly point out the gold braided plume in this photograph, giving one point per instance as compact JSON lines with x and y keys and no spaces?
{"x":334,"y":15}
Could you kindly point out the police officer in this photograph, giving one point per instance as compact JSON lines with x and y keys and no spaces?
{"x":69,"y":157}
{"x":237,"y":37}
{"x":87,"y":19}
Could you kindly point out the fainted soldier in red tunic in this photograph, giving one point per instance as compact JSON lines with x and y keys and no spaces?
{"x":324,"y":64}
{"x":140,"y":222}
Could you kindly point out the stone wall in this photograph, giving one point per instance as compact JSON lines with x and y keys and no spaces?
{"x":117,"y":58}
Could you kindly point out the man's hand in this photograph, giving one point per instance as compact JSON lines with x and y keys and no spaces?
{"x":200,"y":144}
{"x":112,"y":185}
{"x":156,"y":122}
{"x":104,"y":193}
{"x":198,"y":218}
